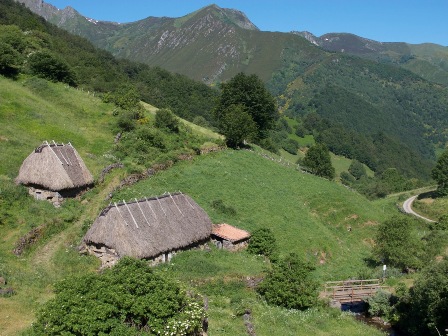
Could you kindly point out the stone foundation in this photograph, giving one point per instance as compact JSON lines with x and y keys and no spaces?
{"x":228,"y":245}
{"x":51,"y":196}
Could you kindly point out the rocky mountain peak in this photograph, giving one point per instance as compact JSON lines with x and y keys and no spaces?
{"x":229,"y":15}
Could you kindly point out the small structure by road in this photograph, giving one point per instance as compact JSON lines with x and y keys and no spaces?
{"x":407,"y":207}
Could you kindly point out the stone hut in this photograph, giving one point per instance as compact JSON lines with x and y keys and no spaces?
{"x":53,"y":171}
{"x":150,"y":228}
{"x":229,"y":237}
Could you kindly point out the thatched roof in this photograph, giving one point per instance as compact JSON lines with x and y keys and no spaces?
{"x":150,"y":227}
{"x":229,"y":232}
{"x":54,"y":167}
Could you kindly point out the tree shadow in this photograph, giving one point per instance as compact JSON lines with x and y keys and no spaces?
{"x":429,"y":194}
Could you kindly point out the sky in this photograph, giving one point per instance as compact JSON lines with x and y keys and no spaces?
{"x":411,"y":21}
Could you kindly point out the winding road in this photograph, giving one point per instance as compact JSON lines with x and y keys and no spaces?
{"x":407,"y":207}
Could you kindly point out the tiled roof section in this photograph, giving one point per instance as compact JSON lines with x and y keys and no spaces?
{"x":229,"y":232}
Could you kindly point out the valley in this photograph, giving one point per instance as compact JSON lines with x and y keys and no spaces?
{"x":278,"y":134}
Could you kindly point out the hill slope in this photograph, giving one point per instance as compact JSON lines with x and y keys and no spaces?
{"x":212,"y":45}
{"x":294,"y":205}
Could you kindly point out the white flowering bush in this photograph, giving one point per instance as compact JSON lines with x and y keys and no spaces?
{"x":129,"y":299}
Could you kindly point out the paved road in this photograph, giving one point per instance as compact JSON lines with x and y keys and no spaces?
{"x":407,"y":207}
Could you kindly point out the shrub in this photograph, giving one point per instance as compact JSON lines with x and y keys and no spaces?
{"x":166,"y":119}
{"x":424,"y":310}
{"x":289,"y":284}
{"x":380,"y":305}
{"x":49,"y":66}
{"x":291,"y":146}
{"x":396,"y":243}
{"x":129,"y":299}
{"x":263,"y":242}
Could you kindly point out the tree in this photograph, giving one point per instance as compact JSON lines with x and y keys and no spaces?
{"x":263,"y":242}
{"x":10,"y":60}
{"x":289,"y":284}
{"x":46,"y":65}
{"x":440,"y":174}
{"x":396,"y":245}
{"x":317,"y":159}
{"x":424,"y":311}
{"x":237,"y":125}
{"x":357,"y":169}
{"x":250,"y":92}
{"x":129,"y":299}
{"x":12,"y":46}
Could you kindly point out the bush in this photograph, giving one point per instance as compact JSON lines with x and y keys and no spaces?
{"x":262,"y":242}
{"x":291,"y":146}
{"x":166,"y":119}
{"x":49,"y":66}
{"x":396,"y":243}
{"x":380,"y":305}
{"x":424,"y":311}
{"x":289,"y":284}
{"x":129,"y":299}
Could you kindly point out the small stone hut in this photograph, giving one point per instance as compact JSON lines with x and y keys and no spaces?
{"x":53,"y":171}
{"x":228,"y":237}
{"x":150,"y":228}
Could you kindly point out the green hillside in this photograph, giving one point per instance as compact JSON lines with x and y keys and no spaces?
{"x":34,"y":110}
{"x":309,"y":215}
{"x":365,"y":95}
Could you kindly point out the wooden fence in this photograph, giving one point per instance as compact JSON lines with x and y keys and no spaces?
{"x":346,"y":291}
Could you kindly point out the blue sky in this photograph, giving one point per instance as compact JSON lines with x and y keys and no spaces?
{"x":412,"y":21}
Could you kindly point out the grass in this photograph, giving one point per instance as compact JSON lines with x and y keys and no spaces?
{"x":432,"y":208}
{"x":196,"y":128}
{"x":308,"y":215}
{"x":34,"y":110}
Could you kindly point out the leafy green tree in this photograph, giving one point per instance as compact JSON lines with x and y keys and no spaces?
{"x":129,"y":299}
{"x":250,"y":92}
{"x":440,"y":174}
{"x":13,"y":36}
{"x":12,"y":46}
{"x":10,"y":60}
{"x":46,"y":65}
{"x":166,"y":119}
{"x":424,"y":311}
{"x":357,"y":169}
{"x":396,"y":245}
{"x":317,"y":159}
{"x":125,"y":97}
{"x":237,"y":125}
{"x":263,"y":242}
{"x":289,"y":284}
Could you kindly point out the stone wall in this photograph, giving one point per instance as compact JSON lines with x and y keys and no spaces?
{"x":51,"y":196}
{"x":228,"y":245}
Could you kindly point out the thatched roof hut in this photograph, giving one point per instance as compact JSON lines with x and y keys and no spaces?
{"x":150,"y":227}
{"x":54,"y":167}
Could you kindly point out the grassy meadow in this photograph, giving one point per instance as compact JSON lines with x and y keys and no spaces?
{"x":308,"y":215}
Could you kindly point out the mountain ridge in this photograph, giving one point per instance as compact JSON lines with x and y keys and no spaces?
{"x":155,"y":37}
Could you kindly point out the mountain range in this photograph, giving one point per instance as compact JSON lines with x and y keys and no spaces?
{"x":361,"y":85}
{"x":213,"y":43}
